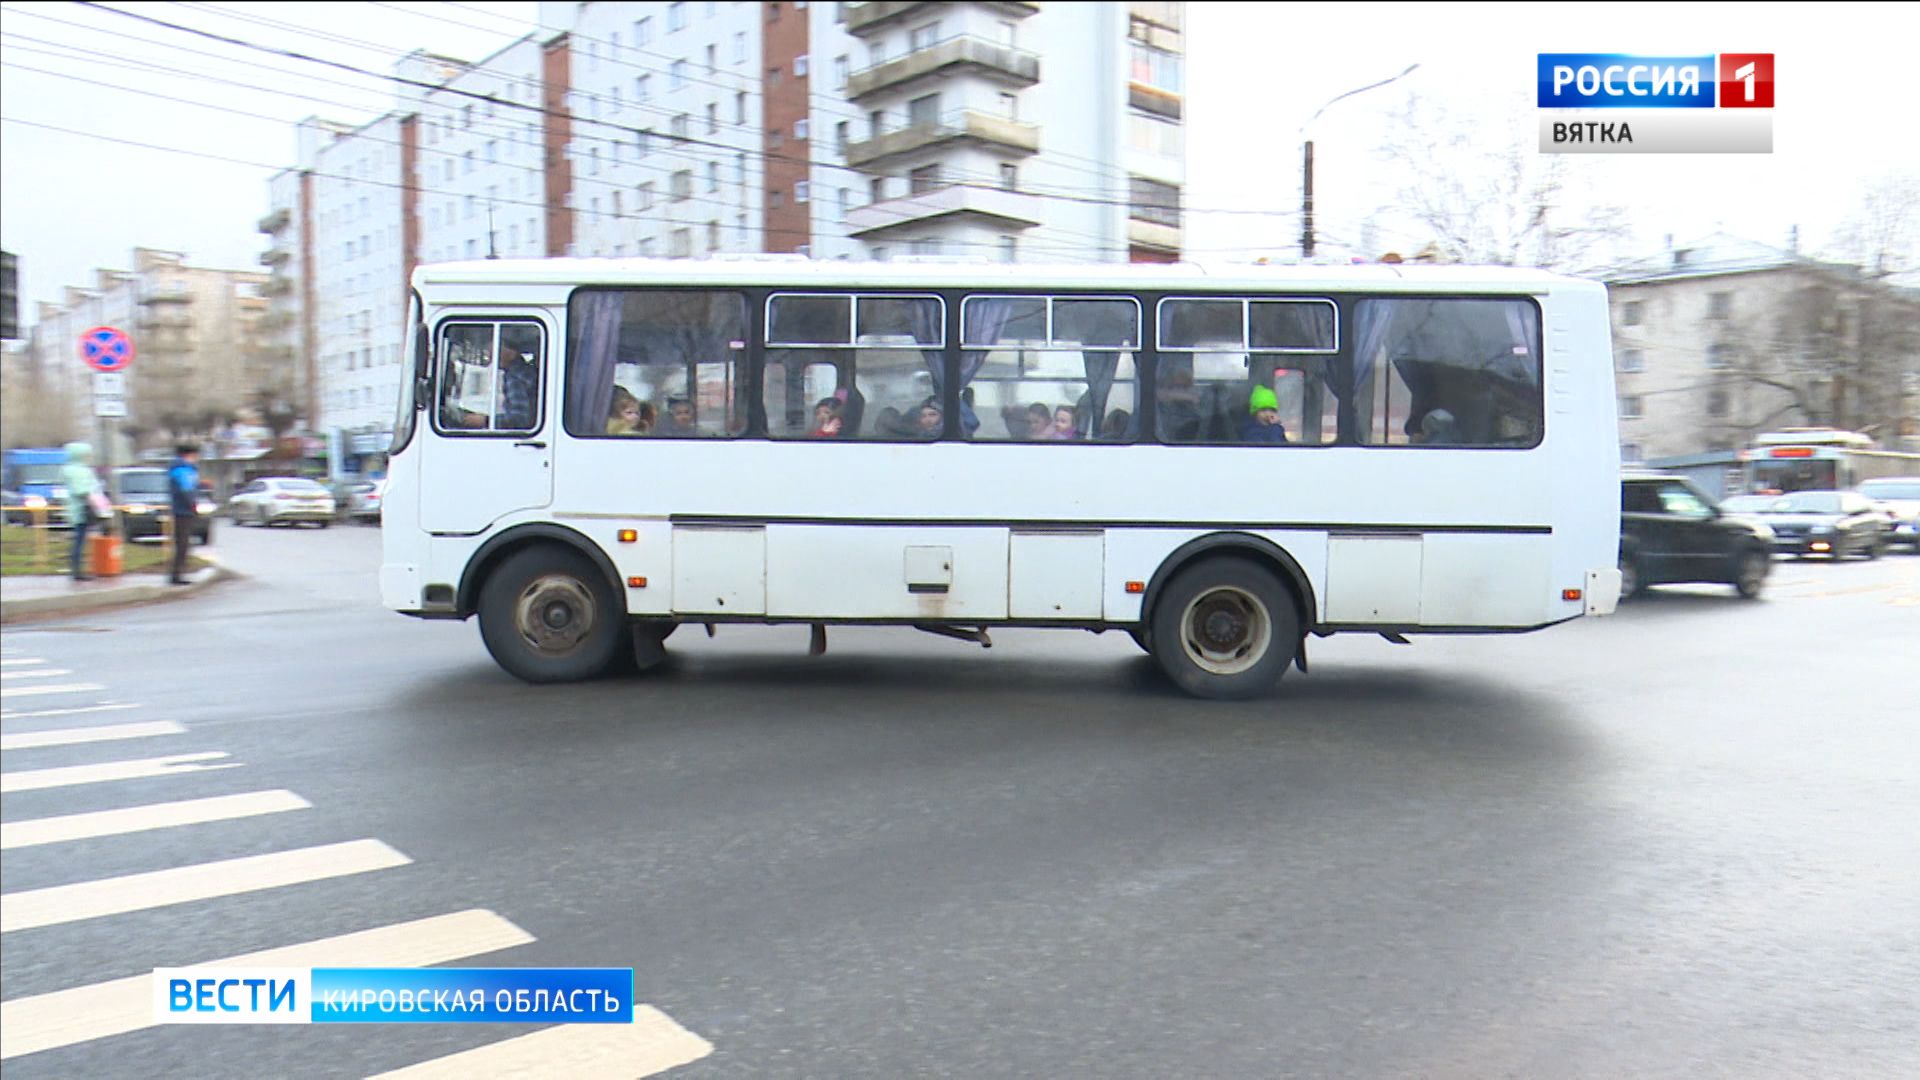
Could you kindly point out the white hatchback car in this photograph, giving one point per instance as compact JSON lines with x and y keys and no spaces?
{"x":282,"y":498}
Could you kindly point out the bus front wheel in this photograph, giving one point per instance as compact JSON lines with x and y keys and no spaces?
{"x":1225,"y":628}
{"x":547,"y":615}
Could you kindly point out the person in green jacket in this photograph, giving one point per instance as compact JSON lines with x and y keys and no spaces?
{"x":81,"y":485}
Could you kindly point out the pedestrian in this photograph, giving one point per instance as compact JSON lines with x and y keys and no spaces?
{"x":183,"y":482}
{"x":82,"y":489}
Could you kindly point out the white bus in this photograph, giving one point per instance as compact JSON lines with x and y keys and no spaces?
{"x":592,"y":452}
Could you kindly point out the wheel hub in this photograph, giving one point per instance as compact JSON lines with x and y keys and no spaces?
{"x":1226,"y":631}
{"x":555,"y":614}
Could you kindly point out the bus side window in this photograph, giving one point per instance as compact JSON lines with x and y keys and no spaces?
{"x":1463,"y":372}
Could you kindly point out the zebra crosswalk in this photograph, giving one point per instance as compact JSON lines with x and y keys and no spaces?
{"x":118,"y":1001}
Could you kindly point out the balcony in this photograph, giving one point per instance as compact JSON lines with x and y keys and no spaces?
{"x":1153,"y":234}
{"x":1011,"y":67}
{"x":167,"y":294}
{"x":277,"y":286}
{"x":864,"y":19}
{"x":1153,"y":99}
{"x":167,"y":318}
{"x":966,"y":126}
{"x":1006,"y":208}
{"x":275,"y":221}
{"x":274,"y":256}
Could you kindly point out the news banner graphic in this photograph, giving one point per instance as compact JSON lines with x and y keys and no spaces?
{"x":1616,"y":103}
{"x":393,"y":995}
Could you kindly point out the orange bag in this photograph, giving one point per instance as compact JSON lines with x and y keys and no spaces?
{"x":103,"y":556}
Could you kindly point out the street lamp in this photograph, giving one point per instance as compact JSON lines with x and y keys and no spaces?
{"x":1306,"y":187}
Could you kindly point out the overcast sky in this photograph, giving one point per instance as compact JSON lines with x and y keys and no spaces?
{"x":1256,"y":72}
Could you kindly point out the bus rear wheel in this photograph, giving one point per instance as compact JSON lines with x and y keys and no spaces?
{"x":1225,"y":629}
{"x":548,"y":615}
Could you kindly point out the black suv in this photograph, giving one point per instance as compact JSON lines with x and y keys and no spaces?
{"x":145,"y":504}
{"x":1671,"y":532}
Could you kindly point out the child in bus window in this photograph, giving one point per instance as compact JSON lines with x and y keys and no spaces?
{"x":1066,"y":426}
{"x":1263,"y":425}
{"x":624,"y":415}
{"x":826,"y":419}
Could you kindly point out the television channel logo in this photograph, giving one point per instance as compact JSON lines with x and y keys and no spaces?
{"x":1624,"y":103}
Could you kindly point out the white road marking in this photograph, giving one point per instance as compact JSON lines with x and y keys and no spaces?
{"x":20,"y":661}
{"x":63,"y":688}
{"x":34,"y":908}
{"x":9,"y":714}
{"x":35,"y":673}
{"x":133,"y":819}
{"x":35,"y":740}
{"x":653,"y":1043}
{"x":136,"y":769}
{"x":29,"y":1025}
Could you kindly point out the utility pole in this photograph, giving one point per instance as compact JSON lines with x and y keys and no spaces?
{"x":1306,"y":165}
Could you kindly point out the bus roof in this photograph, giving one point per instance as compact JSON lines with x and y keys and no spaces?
{"x":798,"y":272}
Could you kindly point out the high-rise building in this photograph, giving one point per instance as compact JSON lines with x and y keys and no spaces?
{"x":989,"y":131}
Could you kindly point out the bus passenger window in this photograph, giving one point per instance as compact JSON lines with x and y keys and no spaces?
{"x":1463,"y":372}
{"x":679,"y":356}
{"x":1049,"y":369}
{"x":1247,"y":371}
{"x":847,"y":366}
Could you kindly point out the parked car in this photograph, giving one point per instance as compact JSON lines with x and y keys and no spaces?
{"x":145,"y":503}
{"x":1833,"y":523}
{"x":360,"y":499}
{"x":1899,"y":496}
{"x":1672,"y":532}
{"x":277,"y":499}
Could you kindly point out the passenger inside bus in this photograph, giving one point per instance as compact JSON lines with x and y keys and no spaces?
{"x":679,"y":419}
{"x":625,"y":417}
{"x":1263,"y":425}
{"x":1066,"y":425}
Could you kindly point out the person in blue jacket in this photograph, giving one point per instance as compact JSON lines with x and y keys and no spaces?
{"x":183,"y":483}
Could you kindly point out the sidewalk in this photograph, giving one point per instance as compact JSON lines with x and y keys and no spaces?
{"x":32,"y":596}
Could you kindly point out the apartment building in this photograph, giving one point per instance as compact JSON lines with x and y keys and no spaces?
{"x":1722,"y":339}
{"x":201,"y":357}
{"x":994,"y":131}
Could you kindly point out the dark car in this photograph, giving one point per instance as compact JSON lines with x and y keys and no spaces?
{"x":145,"y":505}
{"x":1833,"y":523}
{"x":1671,"y":532}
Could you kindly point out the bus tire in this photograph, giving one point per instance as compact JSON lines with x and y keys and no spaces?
{"x":547,"y":615}
{"x":1225,"y":628}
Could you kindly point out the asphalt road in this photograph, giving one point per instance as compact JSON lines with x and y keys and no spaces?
{"x":1679,"y":842}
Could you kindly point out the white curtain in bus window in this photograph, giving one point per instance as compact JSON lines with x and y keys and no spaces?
{"x":466,"y":376}
{"x":851,"y":366}
{"x":1450,"y":372}
{"x":663,"y":363}
{"x":1248,"y":372}
{"x":1049,"y":369}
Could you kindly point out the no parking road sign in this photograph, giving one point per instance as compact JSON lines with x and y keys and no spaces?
{"x":106,"y":348}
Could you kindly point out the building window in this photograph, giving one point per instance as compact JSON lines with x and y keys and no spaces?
{"x":1629,"y":452}
{"x":646,"y":247}
{"x":924,"y":111}
{"x":1155,"y":202}
{"x":776,"y":199}
{"x":676,"y":17}
{"x":466,"y":162}
{"x":876,"y":124}
{"x":1010,"y":106}
{"x":876,"y":53}
{"x":1156,"y":68}
{"x":643,"y":89}
{"x":842,"y":68}
{"x":846,"y":199}
{"x":740,"y":228}
{"x":646,"y":196}
{"x":740,"y":47}
{"x":740,"y":107}
{"x":1009,"y":249}
{"x":1633,"y":360}
{"x":713,"y":176}
{"x":593,"y":161}
{"x":678,"y":73}
{"x":1009,"y":177}
{"x":1720,"y":305}
{"x":802,"y":191}
{"x":800,"y":67}
{"x":877,"y":189}
{"x":924,"y":37}
{"x":679,"y":126}
{"x":799,"y":129}
{"x":927,"y":246}
{"x":493,"y":150}
{"x":1008,"y":31}
{"x":1633,"y":313}
{"x":713,"y":235}
{"x":713,"y":59}
{"x":774,"y":75}
{"x":840,"y":136}
{"x":681,"y":245}
{"x":1719,"y":357}
{"x":923,"y":179}
{"x":1630,"y":406}
{"x":682,"y":185}
{"x":713,"y":117}
{"x":642,"y":143}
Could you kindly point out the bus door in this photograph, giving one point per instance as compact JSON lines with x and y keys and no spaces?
{"x":493,"y":422}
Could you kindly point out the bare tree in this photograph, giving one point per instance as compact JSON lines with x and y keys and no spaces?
{"x":1488,"y":196}
{"x":1882,"y":235}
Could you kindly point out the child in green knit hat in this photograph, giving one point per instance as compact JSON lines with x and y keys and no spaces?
{"x":1263,"y":418}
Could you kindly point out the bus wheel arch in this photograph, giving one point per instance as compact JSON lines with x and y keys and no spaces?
{"x":498,"y":549}
{"x":1247,"y":593}
{"x":548,"y":614}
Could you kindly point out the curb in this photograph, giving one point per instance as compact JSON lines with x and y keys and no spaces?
{"x":116,"y":596}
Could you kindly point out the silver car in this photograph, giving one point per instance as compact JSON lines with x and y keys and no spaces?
{"x":278,"y":499}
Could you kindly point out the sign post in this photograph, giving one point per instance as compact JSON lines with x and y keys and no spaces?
{"x":108,"y":351}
